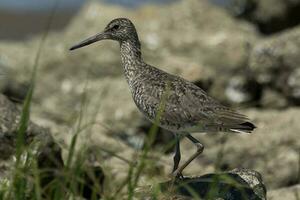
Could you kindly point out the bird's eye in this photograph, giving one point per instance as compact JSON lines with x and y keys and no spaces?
{"x":115,"y":27}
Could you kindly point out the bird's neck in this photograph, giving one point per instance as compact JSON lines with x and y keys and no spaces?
{"x":131,"y":57}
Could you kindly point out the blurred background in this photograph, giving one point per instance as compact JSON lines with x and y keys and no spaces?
{"x":245,"y":53}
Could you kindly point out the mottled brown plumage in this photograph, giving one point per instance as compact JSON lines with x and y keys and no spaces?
{"x":184,"y":107}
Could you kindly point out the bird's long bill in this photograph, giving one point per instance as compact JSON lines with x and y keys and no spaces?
{"x":90,"y":40}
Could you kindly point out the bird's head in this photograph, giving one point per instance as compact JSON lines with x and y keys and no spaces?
{"x":120,"y":29}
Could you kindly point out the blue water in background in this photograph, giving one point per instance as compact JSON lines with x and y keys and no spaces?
{"x":43,"y":5}
{"x":137,"y":3}
{"x":39,"y":5}
{"x":21,"y":19}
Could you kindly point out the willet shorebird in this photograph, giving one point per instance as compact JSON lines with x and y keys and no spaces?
{"x":186,"y":107}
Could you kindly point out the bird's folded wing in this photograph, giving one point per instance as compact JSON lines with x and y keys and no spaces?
{"x":190,"y":105}
{"x":183,"y":103}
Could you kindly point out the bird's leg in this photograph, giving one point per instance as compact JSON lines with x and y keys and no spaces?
{"x":200,"y":149}
{"x":177,"y":154}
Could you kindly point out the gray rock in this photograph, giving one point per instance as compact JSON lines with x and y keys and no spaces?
{"x":205,"y":43}
{"x":253,"y":179}
{"x":275,"y":55}
{"x":10,"y":86}
{"x":48,"y":156}
{"x":9,"y":123}
{"x":238,"y":184}
{"x":269,"y":15}
{"x":288,"y":193}
{"x":275,"y":63}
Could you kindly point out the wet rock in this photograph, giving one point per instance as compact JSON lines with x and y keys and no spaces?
{"x":237,"y":184}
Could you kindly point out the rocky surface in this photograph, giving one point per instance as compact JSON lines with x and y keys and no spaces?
{"x":85,"y":91}
{"x":39,"y":140}
{"x":269,"y":18}
{"x":9,"y":120}
{"x":48,"y":155}
{"x":275,"y":63}
{"x":290,"y":193}
{"x":237,"y":184}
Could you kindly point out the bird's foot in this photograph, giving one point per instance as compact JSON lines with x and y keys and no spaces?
{"x":177,"y":175}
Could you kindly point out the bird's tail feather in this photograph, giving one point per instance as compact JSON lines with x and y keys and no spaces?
{"x":245,"y":127}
